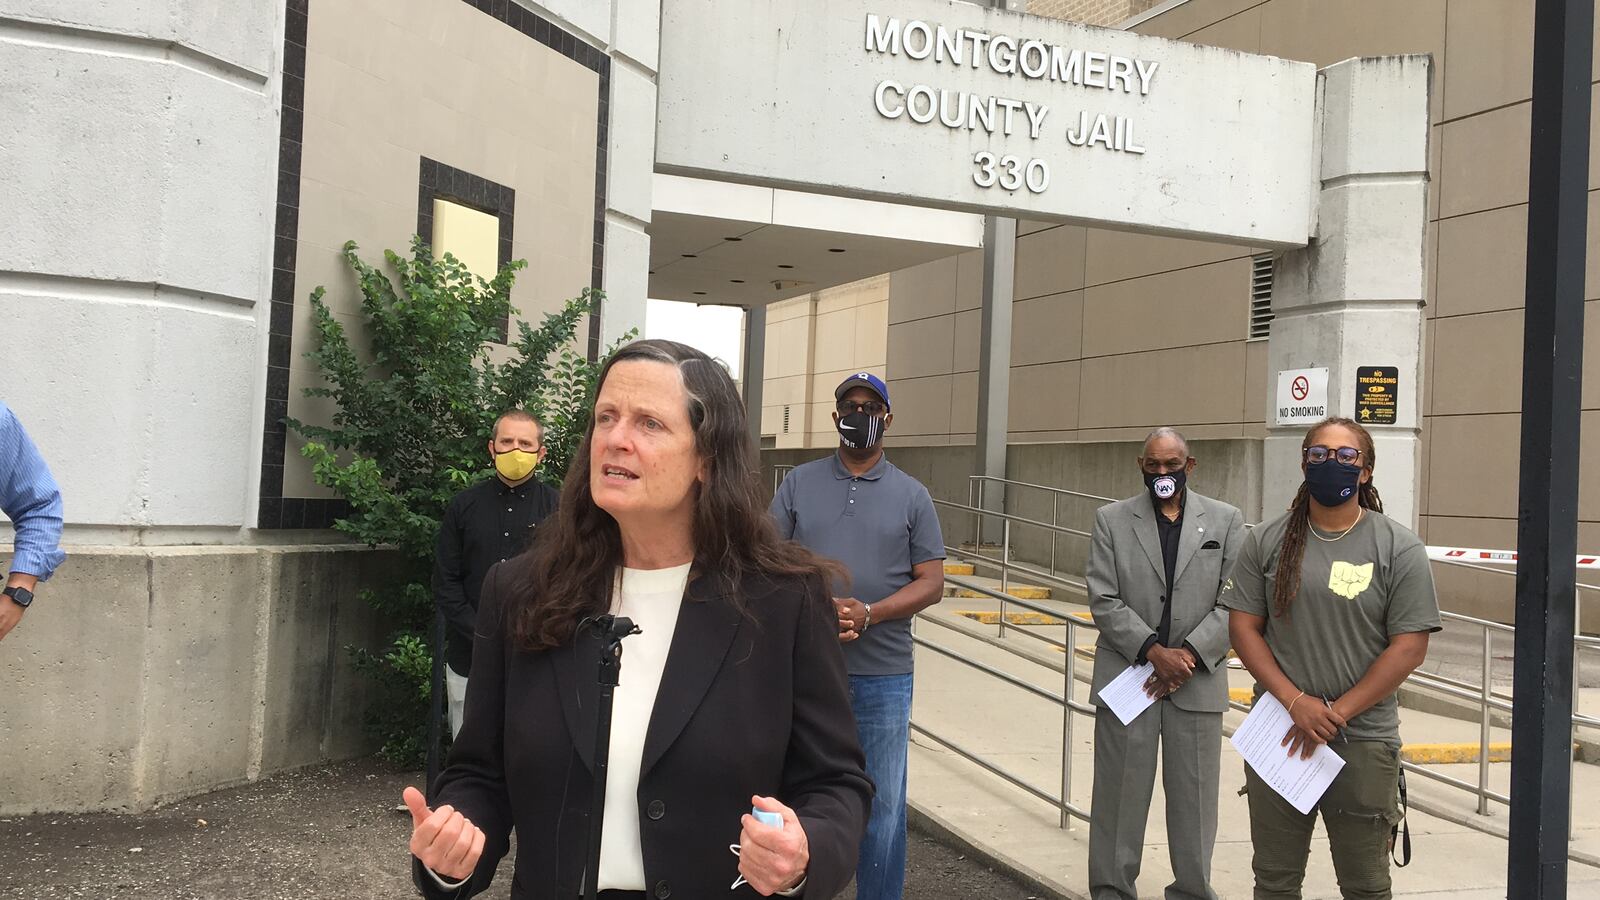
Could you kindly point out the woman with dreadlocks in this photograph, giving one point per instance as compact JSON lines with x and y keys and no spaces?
{"x":1331,"y":605}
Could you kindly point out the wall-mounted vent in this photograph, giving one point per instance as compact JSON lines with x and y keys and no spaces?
{"x":1260,"y":296}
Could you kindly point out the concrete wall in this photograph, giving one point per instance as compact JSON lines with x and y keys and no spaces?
{"x":1109,"y":339}
{"x":1116,"y":332}
{"x":1476,"y":241}
{"x":794,"y":84}
{"x":1090,"y":12}
{"x":813,"y":343}
{"x":502,"y":106}
{"x":137,"y":179}
{"x":1229,"y":470}
{"x":145,"y":675}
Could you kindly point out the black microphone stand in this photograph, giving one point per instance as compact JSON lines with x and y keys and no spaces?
{"x":610,"y":630}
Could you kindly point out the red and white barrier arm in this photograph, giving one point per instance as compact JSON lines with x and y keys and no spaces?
{"x":1494,"y":557}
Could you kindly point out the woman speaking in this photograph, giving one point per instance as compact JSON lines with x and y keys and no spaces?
{"x":733,"y":693}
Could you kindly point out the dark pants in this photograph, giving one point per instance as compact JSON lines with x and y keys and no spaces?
{"x":1358,"y":811}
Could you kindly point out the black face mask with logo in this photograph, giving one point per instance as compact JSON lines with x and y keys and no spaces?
{"x":860,"y":431}
{"x":1167,"y":485}
{"x":1332,"y":483}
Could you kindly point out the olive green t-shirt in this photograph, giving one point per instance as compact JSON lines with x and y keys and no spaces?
{"x":1355,"y":593}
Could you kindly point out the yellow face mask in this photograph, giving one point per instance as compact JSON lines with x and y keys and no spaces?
{"x":515,"y":465}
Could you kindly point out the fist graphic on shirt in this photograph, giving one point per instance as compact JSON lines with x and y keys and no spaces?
{"x":1349,"y":580}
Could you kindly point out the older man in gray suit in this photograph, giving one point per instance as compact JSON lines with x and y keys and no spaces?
{"x":1157,"y":563}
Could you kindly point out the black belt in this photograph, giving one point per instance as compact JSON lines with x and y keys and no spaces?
{"x":622,"y":895}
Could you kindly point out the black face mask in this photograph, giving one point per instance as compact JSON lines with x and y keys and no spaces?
{"x":860,"y":431}
{"x":1167,"y":486}
{"x":1332,"y":483}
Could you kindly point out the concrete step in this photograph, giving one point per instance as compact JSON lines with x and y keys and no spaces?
{"x":960,"y":568}
{"x":992,"y":617}
{"x":991,"y":551}
{"x":1016,"y":589}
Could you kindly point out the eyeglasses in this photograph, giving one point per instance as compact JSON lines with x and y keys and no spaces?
{"x":1318,"y":454}
{"x":870,"y":407}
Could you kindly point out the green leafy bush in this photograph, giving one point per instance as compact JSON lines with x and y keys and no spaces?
{"x":415,"y":404}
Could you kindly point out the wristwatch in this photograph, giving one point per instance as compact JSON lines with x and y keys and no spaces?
{"x":868,"y":619}
{"x":19,"y":595}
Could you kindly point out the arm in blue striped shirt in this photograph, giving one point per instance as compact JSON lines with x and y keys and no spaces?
{"x":30,"y":499}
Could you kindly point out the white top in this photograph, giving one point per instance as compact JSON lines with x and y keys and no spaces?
{"x":650,"y":598}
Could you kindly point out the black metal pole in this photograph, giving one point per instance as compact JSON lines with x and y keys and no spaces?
{"x":436,"y":697}
{"x":612,"y":629}
{"x":597,"y":805}
{"x":1547,"y":509}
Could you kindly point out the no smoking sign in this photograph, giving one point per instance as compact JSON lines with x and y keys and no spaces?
{"x":1302,"y":396}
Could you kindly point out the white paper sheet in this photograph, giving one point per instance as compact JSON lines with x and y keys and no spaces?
{"x":1260,"y":741}
{"x":1125,"y":694}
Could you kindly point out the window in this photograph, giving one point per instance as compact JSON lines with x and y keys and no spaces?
{"x":472,"y":237}
{"x":468,"y":216}
{"x":1260,"y":296}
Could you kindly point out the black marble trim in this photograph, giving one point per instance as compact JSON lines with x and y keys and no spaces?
{"x":593,"y":58}
{"x":274,"y":509}
{"x":437,"y":181}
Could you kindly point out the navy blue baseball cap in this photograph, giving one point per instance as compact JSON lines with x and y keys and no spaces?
{"x":863,"y":379}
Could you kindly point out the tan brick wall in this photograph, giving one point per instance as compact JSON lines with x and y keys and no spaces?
{"x":1092,"y":12}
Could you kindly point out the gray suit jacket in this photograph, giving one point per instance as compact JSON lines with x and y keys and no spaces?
{"x":1127,"y":579}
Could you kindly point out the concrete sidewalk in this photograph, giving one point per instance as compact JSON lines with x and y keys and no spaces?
{"x":1455,"y":853}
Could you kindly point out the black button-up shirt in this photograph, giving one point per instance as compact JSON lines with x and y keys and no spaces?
{"x":484,"y":524}
{"x":1169,"y":530}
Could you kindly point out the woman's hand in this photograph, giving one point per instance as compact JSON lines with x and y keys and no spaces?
{"x":445,"y":840}
{"x":772,"y":859}
{"x":1314,"y":723}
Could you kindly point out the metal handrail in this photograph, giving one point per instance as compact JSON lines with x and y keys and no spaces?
{"x":1062,"y":801}
{"x":1488,"y":700}
{"x":1010,"y":517}
{"x":1040,"y":487}
{"x":778,"y":471}
{"x":976,"y":497}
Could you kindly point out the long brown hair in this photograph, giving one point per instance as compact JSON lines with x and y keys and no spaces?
{"x":1293,"y":548}
{"x":568,"y":572}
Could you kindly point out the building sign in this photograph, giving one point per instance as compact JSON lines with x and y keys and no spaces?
{"x":949,"y":104}
{"x":1377,"y":390}
{"x":1302,"y":396}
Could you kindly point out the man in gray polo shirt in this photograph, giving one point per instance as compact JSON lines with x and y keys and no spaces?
{"x":857,"y":508}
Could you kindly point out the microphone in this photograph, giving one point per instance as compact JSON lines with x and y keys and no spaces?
{"x":609,"y":628}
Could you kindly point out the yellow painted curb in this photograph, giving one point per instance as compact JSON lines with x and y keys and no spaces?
{"x":1241,"y":695}
{"x":1439,"y":754}
{"x":1021,"y":592}
{"x":988,"y":617}
{"x":959,"y":568}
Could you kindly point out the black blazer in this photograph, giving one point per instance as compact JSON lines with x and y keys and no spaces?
{"x":749,"y":703}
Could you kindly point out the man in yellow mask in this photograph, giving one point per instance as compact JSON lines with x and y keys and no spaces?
{"x":485,"y":524}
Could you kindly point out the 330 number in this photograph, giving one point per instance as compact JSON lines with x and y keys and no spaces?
{"x":1010,"y":173}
